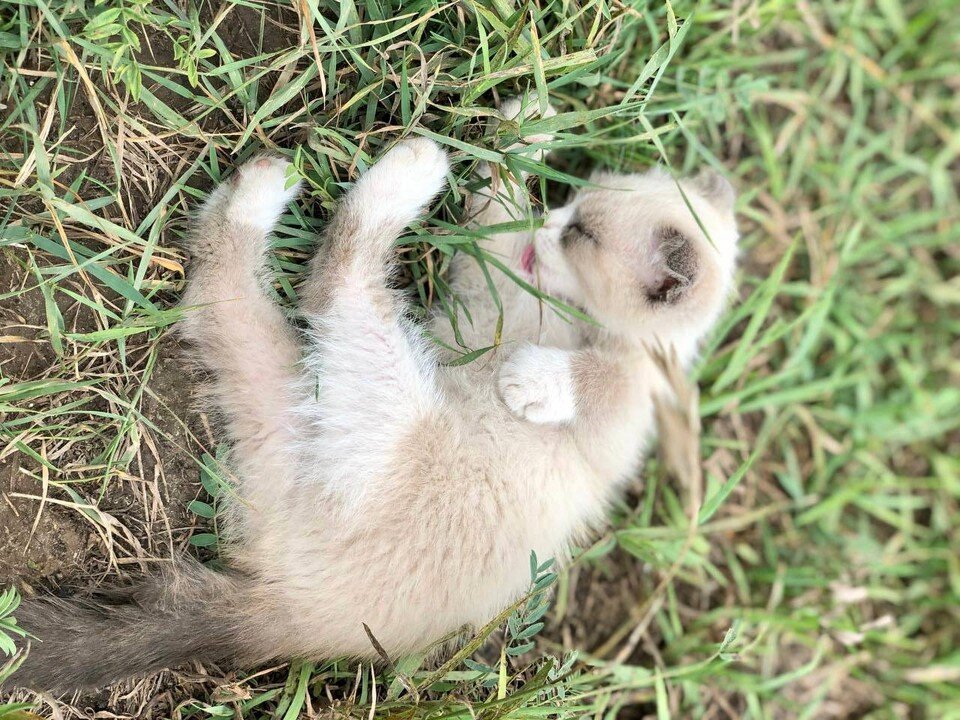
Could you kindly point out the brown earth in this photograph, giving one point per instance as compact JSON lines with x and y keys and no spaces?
{"x":44,"y":544}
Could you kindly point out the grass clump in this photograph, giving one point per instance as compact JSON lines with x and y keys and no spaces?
{"x":821,"y":579}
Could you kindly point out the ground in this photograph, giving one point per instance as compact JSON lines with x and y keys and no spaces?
{"x":821,"y":579}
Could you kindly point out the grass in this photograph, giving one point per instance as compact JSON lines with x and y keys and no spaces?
{"x":822,"y":579}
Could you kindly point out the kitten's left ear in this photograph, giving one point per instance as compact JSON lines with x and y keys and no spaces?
{"x":716,"y":189}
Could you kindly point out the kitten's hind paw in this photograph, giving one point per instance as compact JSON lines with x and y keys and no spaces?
{"x":405,"y":179}
{"x":537,"y":385}
{"x":258,"y":192}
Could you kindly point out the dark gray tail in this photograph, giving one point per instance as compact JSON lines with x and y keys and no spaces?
{"x":191,"y":613}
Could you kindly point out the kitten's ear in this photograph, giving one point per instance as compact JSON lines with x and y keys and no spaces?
{"x":716,"y":188}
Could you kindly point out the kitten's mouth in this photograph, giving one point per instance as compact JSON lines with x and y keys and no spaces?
{"x":528,"y":259}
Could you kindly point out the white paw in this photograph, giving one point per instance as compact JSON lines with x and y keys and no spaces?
{"x":527,"y":106}
{"x":258,"y":194}
{"x":405,"y":179}
{"x":537,"y":385}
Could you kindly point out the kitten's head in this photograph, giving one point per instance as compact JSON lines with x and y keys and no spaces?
{"x":631,"y":252}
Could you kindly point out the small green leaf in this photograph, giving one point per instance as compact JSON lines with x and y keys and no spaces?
{"x":204,"y":540}
{"x":198,"y":507}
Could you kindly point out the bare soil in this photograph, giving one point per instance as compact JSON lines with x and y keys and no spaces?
{"x":49,"y":546}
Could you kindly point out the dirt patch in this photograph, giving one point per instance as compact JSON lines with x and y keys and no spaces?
{"x":247,"y":31}
{"x":174,"y":445}
{"x":32,"y":547}
{"x":23,"y":350}
{"x":47,"y":540}
{"x":37,"y":543}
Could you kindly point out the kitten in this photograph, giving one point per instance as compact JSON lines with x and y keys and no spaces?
{"x":377,"y":484}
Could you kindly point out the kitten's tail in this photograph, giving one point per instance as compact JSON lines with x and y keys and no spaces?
{"x":191,"y":613}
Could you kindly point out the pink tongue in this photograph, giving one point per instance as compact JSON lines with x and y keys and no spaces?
{"x":527,"y":258}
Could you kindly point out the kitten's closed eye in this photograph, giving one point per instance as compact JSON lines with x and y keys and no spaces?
{"x":577,"y":231}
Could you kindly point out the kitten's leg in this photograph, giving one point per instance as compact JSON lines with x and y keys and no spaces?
{"x":375,"y":375}
{"x":603,"y":396}
{"x":240,"y":334}
{"x":537,"y":383}
{"x":504,"y":198}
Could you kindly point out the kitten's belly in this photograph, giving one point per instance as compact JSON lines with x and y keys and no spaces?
{"x":443,"y":539}
{"x":443,"y":542}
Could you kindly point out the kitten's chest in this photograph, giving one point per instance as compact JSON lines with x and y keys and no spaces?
{"x":522,"y":319}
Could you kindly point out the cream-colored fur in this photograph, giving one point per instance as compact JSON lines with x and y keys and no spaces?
{"x":380,"y":486}
{"x":377,"y":484}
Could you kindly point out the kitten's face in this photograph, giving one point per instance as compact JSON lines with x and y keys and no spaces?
{"x":632,"y":254}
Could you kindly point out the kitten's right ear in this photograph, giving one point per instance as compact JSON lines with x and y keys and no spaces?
{"x":716,"y":189}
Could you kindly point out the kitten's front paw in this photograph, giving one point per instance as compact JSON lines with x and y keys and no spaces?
{"x":527,"y":106}
{"x":406,"y":178}
{"x":537,"y":385}
{"x":257,"y":194}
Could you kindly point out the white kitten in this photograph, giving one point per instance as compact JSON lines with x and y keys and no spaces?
{"x":378,"y":485}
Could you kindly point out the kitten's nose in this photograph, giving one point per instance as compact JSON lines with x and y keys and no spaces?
{"x":716,"y":188}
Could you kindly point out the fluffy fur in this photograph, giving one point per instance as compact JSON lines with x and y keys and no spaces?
{"x":376,"y":484}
